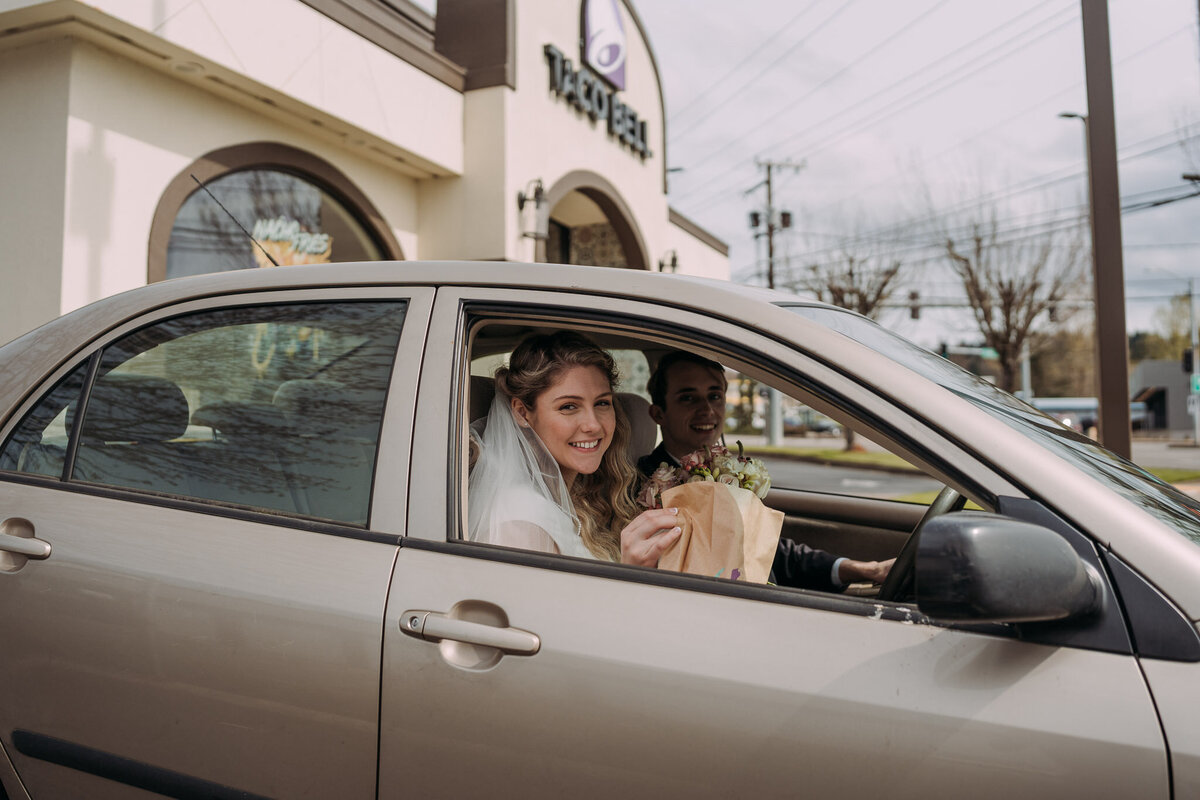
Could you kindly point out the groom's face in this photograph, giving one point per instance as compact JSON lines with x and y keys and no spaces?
{"x":693,"y":413}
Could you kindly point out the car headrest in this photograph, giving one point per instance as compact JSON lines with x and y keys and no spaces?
{"x":242,"y":420}
{"x":643,"y":432}
{"x":133,"y":408}
{"x":321,"y":407}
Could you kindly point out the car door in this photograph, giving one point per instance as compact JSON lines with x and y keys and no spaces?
{"x":513,"y":672}
{"x":203,"y":618}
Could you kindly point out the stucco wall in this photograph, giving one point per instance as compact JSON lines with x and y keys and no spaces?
{"x":36,"y":82}
{"x":696,"y":257}
{"x":548,"y":138}
{"x":285,"y":48}
{"x":107,"y":136}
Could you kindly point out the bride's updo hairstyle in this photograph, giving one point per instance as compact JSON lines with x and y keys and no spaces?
{"x":604,"y":501}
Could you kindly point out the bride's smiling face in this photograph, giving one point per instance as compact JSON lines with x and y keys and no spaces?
{"x":574,"y":417}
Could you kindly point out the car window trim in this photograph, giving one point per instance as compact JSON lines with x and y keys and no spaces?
{"x":75,"y":434}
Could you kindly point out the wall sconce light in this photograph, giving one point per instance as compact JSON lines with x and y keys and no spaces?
{"x":669,"y":262}
{"x":535,"y":225}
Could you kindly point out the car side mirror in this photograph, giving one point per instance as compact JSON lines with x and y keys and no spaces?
{"x":988,"y":568}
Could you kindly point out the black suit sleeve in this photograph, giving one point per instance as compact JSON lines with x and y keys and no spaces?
{"x":802,"y":567}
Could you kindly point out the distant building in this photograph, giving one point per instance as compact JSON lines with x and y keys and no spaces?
{"x":1164,"y":387}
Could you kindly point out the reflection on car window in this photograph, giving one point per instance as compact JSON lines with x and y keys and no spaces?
{"x":816,"y":453}
{"x":1176,"y":509}
{"x":275,"y":407}
{"x":39,"y":444}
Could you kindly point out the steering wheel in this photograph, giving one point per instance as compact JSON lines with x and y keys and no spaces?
{"x":899,"y":582}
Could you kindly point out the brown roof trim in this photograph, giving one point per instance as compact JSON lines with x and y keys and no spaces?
{"x":399,"y":27}
{"x":680,"y":221}
{"x":481,"y":35}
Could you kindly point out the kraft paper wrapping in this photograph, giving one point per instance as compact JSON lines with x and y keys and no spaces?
{"x":727,"y":532}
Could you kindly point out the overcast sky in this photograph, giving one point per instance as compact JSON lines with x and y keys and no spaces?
{"x":887,"y":108}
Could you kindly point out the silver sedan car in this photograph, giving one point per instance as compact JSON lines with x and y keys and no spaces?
{"x":233,"y":564}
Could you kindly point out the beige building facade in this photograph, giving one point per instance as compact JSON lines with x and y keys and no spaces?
{"x":151,"y":139}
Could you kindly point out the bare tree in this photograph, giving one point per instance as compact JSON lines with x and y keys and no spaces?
{"x":861,"y":284}
{"x":1016,"y":285}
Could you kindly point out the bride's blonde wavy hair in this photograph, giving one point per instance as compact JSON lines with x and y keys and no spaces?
{"x":604,"y":500}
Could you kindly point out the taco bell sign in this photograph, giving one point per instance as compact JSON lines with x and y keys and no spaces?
{"x":604,"y":41}
{"x":593,"y":88}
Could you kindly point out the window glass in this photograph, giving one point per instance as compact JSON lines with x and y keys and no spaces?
{"x":39,"y":444}
{"x":1177,"y":510}
{"x":292,"y":219}
{"x":815,"y":453}
{"x":275,"y":407}
{"x":846,"y":503}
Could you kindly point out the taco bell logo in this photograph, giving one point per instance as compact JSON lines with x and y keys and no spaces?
{"x":604,"y":41}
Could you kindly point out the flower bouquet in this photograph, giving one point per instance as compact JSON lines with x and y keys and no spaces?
{"x":727,"y":531}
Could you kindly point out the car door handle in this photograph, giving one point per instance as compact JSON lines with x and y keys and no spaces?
{"x":16,"y":536}
{"x":434,"y":627}
{"x":30,"y":548}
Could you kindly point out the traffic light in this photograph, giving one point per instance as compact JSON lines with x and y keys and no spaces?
{"x":1187,"y":361}
{"x":914,"y":304}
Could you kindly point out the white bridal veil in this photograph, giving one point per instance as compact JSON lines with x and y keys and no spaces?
{"x":516,"y":487}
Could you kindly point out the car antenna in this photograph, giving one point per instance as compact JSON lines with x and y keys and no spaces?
{"x":249,"y":235}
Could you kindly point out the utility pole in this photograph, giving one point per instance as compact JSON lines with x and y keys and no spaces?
{"x":772,"y":224}
{"x":774,"y":401}
{"x":1112,"y":346}
{"x":1193,"y":397}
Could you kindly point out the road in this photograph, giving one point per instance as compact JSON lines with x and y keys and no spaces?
{"x":1146,"y":452}
{"x":787,"y":473}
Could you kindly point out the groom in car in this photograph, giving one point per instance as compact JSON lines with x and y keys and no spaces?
{"x":687,"y":392}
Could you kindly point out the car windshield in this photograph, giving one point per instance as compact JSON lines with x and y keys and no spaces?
{"x":1173,"y":507}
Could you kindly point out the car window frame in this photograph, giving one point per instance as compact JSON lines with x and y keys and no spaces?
{"x":447,"y":361}
{"x":397,"y":412}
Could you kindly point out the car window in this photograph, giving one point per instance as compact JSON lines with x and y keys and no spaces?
{"x":862,"y":510}
{"x":1179,"y":511}
{"x":813,"y":452}
{"x":38,"y":446}
{"x":269,"y":407}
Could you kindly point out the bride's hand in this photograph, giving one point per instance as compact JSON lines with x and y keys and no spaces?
{"x":648,"y":536}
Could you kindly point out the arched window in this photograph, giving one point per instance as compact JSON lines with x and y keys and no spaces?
{"x":297,"y":208}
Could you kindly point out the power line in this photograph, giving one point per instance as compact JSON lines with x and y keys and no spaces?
{"x":1034,"y":183}
{"x":1012,"y":234}
{"x":753,"y":52}
{"x":1009,"y":119}
{"x":873,"y":50}
{"x":939,"y":62}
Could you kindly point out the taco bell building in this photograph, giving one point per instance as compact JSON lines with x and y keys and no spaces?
{"x":139,"y":138}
